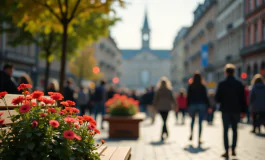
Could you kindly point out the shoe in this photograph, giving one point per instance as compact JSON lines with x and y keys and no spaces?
{"x":225,"y":155}
{"x":233,"y":152}
{"x":166,"y":134}
{"x":190,"y":137}
{"x":253,"y":131}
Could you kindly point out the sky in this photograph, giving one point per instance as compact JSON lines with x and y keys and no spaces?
{"x":165,"y":18}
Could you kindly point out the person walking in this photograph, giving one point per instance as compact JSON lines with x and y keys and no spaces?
{"x":134,"y":95}
{"x":82,"y":100}
{"x":163,"y":102}
{"x":231,"y":96}
{"x":100,"y":97}
{"x":150,"y":108}
{"x":68,"y":90}
{"x":111,"y":92}
{"x":257,"y":102}
{"x":198,"y":102}
{"x":247,"y":92}
{"x":7,"y":82}
{"x":182,"y":105}
{"x":210,"y":116}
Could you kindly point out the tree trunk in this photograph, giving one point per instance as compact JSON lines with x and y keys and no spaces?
{"x":64,"y":55}
{"x":47,"y":72}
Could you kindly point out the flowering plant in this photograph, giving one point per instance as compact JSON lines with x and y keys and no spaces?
{"x":121,"y":105}
{"x":42,"y":130}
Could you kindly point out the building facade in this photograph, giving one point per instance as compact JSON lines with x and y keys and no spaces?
{"x":200,"y":41}
{"x":109,"y":58}
{"x":144,"y":67}
{"x":229,"y":36}
{"x":177,"y":70}
{"x":253,"y":53}
{"x":23,"y":57}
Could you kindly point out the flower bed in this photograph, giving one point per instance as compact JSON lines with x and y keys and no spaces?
{"x":43,"y":130}
{"x":121,"y":105}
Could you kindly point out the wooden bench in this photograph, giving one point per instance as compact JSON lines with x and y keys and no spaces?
{"x":105,"y":152}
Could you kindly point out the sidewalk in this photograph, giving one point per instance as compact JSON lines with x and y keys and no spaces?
{"x":178,"y":147}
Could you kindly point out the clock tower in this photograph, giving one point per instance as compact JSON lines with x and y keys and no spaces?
{"x":145,"y":33}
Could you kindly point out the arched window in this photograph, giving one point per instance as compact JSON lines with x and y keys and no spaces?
{"x":145,"y":77}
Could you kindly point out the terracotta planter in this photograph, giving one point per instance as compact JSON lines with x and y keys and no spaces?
{"x":124,"y":126}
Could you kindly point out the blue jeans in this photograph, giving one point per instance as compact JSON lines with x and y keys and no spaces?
{"x":199,"y":109}
{"x":99,"y":107}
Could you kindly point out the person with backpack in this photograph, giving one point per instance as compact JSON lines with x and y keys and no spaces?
{"x":99,"y":99}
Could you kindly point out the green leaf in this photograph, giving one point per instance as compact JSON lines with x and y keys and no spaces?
{"x":31,"y":146}
{"x":28,"y":135}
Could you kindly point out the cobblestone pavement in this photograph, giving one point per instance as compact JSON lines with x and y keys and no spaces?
{"x":178,"y":147}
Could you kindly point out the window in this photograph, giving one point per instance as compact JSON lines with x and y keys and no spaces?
{"x":257,"y":3}
{"x":249,"y":35}
{"x":256,"y":33}
{"x":249,"y":5}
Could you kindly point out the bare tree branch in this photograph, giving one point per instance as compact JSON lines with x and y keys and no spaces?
{"x":74,"y":10}
{"x":61,"y":8}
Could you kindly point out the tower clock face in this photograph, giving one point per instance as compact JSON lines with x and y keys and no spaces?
{"x":146,"y":37}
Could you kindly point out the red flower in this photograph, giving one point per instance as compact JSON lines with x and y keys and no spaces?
{"x":29,"y":97}
{"x":54,"y":123}
{"x":61,"y":112}
{"x":91,"y":127}
{"x":48,"y":101}
{"x":17,"y":100}
{"x":97,"y":131}
{"x":24,"y":86}
{"x":52,"y":110}
{"x":57,"y":96}
{"x":102,"y":141}
{"x":87,"y":118}
{"x":70,"y":120}
{"x":78,"y":137}
{"x":69,"y":134}
{"x":2,"y":94}
{"x":1,"y":113}
{"x":2,"y":121}
{"x":81,"y":122}
{"x":37,"y":94}
{"x":70,"y":103}
{"x":75,"y":110}
{"x":34,"y":104}
{"x":77,"y":126}
{"x":50,"y":93}
{"x":43,"y":114}
{"x":24,"y":109}
{"x":34,"y":124}
{"x":80,"y":117}
{"x":65,"y":104}
{"x":26,"y":93}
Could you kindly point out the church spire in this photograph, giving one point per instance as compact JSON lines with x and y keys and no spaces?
{"x":146,"y":26}
{"x":145,"y":32}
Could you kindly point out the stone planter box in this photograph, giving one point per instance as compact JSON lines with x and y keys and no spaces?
{"x":124,"y":126}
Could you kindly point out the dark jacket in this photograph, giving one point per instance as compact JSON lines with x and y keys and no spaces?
{"x":231,"y":96}
{"x":150,"y":97}
{"x":68,"y":93}
{"x":7,"y":83}
{"x":110,"y":94}
{"x":257,"y":98}
{"x":134,"y":96}
{"x":197,"y":95}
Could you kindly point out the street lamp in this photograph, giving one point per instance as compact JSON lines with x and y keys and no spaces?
{"x":96,"y":70}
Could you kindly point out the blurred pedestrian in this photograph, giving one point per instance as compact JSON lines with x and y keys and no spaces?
{"x":134,"y":95}
{"x":7,"y":82}
{"x":111,"y":92}
{"x":100,"y":97}
{"x":68,"y":90}
{"x":257,"y":101}
{"x":82,"y":100}
{"x":53,"y":86}
{"x":231,"y":96}
{"x":210,"y":115}
{"x":163,"y":102}
{"x":143,"y":102}
{"x":182,"y":104}
{"x":149,"y":100}
{"x":247,"y":92}
{"x":198,"y":102}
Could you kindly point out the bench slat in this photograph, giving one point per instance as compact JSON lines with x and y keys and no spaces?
{"x":9,"y":98}
{"x":100,"y":150}
{"x":6,"y":116}
{"x":106,"y":155}
{"x":121,"y":153}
